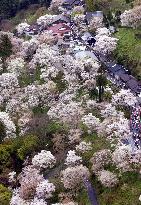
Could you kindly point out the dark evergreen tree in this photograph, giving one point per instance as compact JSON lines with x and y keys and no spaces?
{"x":8,"y":8}
{"x":101,"y":81}
{"x":5,"y":48}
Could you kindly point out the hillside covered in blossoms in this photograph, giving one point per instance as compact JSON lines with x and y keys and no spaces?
{"x":70,"y":102}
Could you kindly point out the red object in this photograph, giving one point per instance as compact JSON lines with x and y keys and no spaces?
{"x":59,"y":29}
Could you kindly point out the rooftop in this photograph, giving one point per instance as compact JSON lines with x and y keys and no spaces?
{"x":59,"y":29}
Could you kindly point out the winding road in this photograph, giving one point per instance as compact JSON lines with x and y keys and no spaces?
{"x":91,"y":192}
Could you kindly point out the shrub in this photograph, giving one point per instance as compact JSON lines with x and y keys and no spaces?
{"x":5,"y":155}
{"x":28,"y":145}
{"x":5,"y":195}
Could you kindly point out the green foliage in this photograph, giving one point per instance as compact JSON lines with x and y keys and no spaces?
{"x":98,"y":143}
{"x":8,"y":8}
{"x":90,"y":5}
{"x":83,"y":198}
{"x":107,"y":96}
{"x":54,"y":127}
{"x":13,"y":152}
{"x":127,"y":192}
{"x":28,"y":145}
{"x":101,"y":81}
{"x":2,"y":131}
{"x":5,"y":155}
{"x":25,"y":80}
{"x":60,"y":83}
{"x":128,"y":50}
{"x":40,"y":110}
{"x":93,"y":94}
{"x":110,"y":5}
{"x":5,"y":195}
{"x":5,"y":47}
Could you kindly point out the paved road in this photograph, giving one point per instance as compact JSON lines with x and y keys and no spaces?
{"x":91,"y":192}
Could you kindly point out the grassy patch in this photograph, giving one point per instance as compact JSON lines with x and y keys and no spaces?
{"x":126,"y":193}
{"x":98,"y":143}
{"x":31,"y":15}
{"x":5,"y":195}
{"x":82,"y":198}
{"x":128,"y":50}
{"x":61,"y":84}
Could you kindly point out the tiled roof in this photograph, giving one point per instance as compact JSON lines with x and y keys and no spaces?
{"x":59,"y":29}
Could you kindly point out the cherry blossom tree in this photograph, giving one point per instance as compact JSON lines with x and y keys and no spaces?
{"x":95,"y":23}
{"x":44,"y":159}
{"x":22,"y":28}
{"x":72,"y":159}
{"x":107,"y":178}
{"x":100,"y":159}
{"x":9,"y":126}
{"x":72,"y":177}
{"x":84,"y":147}
{"x":132,"y":17}
{"x":124,"y":97}
{"x":45,"y":189}
{"x":104,"y":43}
{"x":91,"y":121}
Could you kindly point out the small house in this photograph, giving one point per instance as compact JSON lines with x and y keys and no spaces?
{"x":60,"y":29}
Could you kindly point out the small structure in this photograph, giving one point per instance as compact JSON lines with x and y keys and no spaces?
{"x":61,"y":19}
{"x":90,"y":15}
{"x":60,"y":29}
{"x":86,"y":36}
{"x":69,"y":4}
{"x":85,"y":54}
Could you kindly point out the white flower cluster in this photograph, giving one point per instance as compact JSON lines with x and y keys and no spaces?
{"x":132,"y":17}
{"x":115,"y":127}
{"x":33,"y":190}
{"x":12,"y":176}
{"x":29,"y":47}
{"x":104,"y":42}
{"x":8,"y":81}
{"x":22,"y":28}
{"x":121,"y":158}
{"x":16,"y":66}
{"x":46,"y":19}
{"x":44,"y":159}
{"x":109,"y":111}
{"x":91,"y":122}
{"x":96,"y":22}
{"x":40,"y":94}
{"x":17,"y":200}
{"x":47,"y":38}
{"x":9,"y":126}
{"x":79,"y":19}
{"x":67,"y":113}
{"x":84,"y":147}
{"x":107,"y":178}
{"x":100,"y":159}
{"x":124,"y":97}
{"x":72,"y":177}
{"x":72,"y":159}
{"x":45,"y":189}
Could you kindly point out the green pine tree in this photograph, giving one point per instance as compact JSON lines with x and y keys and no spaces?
{"x":5,"y":48}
